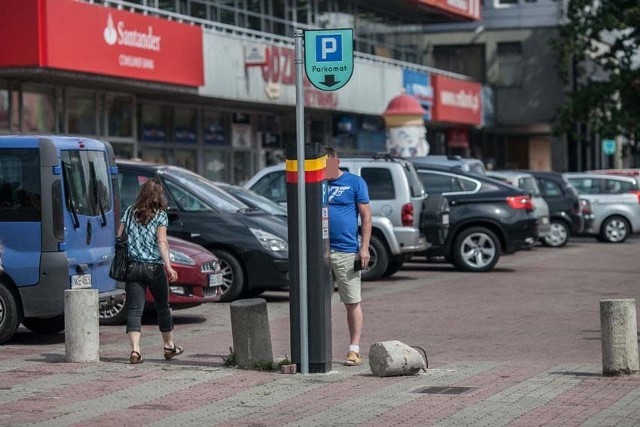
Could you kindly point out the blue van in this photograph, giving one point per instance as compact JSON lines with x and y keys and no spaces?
{"x":57,"y":227}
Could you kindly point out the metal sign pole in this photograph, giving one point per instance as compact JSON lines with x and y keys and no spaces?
{"x":302,"y":203}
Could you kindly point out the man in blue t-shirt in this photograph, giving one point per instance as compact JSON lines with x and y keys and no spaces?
{"x":348,"y":197}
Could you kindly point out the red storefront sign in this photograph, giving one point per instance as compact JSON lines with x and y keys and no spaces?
{"x":457,"y":101}
{"x":75,"y":36}
{"x":469,"y":9}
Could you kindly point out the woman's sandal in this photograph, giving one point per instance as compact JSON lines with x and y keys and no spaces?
{"x":170,"y":353}
{"x":135,"y":358}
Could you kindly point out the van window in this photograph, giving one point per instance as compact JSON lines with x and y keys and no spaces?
{"x":87,"y":182}
{"x":549,"y":188}
{"x":20,"y":185}
{"x":417,"y":190}
{"x":380,"y":183}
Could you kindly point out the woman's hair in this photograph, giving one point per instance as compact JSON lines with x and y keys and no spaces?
{"x":150,"y":200}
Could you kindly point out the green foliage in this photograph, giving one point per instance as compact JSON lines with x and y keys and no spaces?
{"x":264,"y":365}
{"x":229,"y":360}
{"x":600,"y":43}
{"x":284,"y":361}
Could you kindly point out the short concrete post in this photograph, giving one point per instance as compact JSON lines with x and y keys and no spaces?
{"x":81,"y":325}
{"x":250,"y":330}
{"x":619,"y":337}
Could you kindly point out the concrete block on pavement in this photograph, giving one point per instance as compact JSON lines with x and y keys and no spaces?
{"x":393,"y":358}
{"x":250,"y":330}
{"x":81,"y":325}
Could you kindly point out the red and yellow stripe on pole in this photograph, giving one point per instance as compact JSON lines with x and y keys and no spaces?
{"x":314,"y":170}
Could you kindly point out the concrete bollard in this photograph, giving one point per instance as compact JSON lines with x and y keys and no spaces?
{"x":619,"y":337}
{"x":81,"y":325}
{"x":250,"y":330}
{"x":393,"y":358}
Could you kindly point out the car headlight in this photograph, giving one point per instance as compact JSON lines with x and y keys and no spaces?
{"x":269,"y":241}
{"x":180,"y":258}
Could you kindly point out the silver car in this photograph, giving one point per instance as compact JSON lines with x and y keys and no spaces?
{"x":615,"y":204}
{"x":527,"y":182}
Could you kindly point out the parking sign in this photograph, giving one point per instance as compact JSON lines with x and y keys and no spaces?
{"x":328,"y":57}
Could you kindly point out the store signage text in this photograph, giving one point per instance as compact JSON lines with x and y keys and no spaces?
{"x":115,"y":43}
{"x":461,"y":99}
{"x":280,"y":69}
{"x":457,"y":101}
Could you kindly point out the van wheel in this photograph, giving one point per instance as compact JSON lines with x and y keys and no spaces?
{"x":615,"y":229}
{"x":379,"y":260}
{"x":50,"y":325}
{"x":232,"y":275}
{"x":476,"y":249}
{"x":113,"y":313}
{"x":9,"y":314}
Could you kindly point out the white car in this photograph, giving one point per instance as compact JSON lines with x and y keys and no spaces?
{"x":527,"y":182}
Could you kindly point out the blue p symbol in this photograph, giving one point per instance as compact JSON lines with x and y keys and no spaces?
{"x":329,"y":48}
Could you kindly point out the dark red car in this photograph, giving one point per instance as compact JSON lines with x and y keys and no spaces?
{"x":199,"y":281}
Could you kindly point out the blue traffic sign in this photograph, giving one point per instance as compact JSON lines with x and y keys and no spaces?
{"x":609,"y":146}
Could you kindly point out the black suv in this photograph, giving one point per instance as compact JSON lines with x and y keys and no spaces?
{"x":250,"y":244}
{"x":487,"y":217}
{"x":565,"y":213}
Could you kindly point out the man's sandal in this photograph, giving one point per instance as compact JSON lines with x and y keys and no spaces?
{"x":135,"y":358}
{"x":170,"y":353}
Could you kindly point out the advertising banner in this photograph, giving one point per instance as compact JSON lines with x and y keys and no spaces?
{"x":89,"y":38}
{"x":418,"y":85}
{"x":457,"y":101}
{"x":469,"y":9}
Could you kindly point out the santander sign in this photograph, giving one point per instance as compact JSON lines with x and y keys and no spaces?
{"x":119,"y":34}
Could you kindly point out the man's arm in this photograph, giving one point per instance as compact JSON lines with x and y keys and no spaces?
{"x":365,"y":232}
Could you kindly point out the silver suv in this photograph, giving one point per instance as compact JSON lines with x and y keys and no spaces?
{"x":615,"y":204}
{"x":400,"y":222}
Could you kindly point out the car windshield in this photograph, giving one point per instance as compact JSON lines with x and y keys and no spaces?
{"x":256,"y":200}
{"x":205,"y":189}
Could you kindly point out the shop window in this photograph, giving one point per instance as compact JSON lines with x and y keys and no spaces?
{"x":216,"y":165}
{"x":123,"y":150}
{"x":510,"y":64}
{"x":81,"y":113}
{"x":155,"y":155}
{"x":242,"y":167}
{"x":214,"y":128}
{"x":185,"y":159}
{"x":198,"y":10}
{"x":38,"y":112}
{"x":120,"y":116}
{"x":154,"y":122}
{"x":4,"y":109}
{"x":14,"y":105}
{"x":185,"y":129}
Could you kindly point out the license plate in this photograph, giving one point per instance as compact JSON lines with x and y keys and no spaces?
{"x":445,"y":219}
{"x":81,"y":281}
{"x":215,"y":280}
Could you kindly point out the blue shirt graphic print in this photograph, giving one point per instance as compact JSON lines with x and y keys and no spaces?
{"x":344,"y":194}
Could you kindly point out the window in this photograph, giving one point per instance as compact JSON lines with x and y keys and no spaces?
{"x":185,"y":200}
{"x":529,"y":185}
{"x":506,"y":2}
{"x":81,"y":113}
{"x":214,"y":128}
{"x":86,"y":182}
{"x":154,"y":122}
{"x":440,"y":183}
{"x":464,"y":59}
{"x":216,"y":165}
{"x":38,"y":112}
{"x":129,"y":185}
{"x":4,"y":108}
{"x":380,"y":183}
{"x":614,"y":186}
{"x":19,"y":185}
{"x":185,"y":129}
{"x":510,"y":64}
{"x":549,"y":188}
{"x":120,"y":116}
{"x":272,"y":186}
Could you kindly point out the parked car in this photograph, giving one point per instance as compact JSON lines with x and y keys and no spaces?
{"x":615,"y":204}
{"x":487,"y":217}
{"x":465,"y":164}
{"x":402,"y":215}
{"x":565,"y":209}
{"x":253,"y":199}
{"x":251,"y":245}
{"x":527,"y":182}
{"x":200,"y":281}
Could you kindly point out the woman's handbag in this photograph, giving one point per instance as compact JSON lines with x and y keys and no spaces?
{"x":120,"y":262}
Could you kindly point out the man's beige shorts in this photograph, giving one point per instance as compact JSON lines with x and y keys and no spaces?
{"x":347,"y":280}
